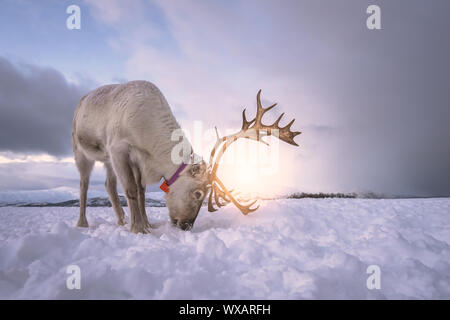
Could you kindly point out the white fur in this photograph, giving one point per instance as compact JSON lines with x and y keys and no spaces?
{"x":128,"y":127}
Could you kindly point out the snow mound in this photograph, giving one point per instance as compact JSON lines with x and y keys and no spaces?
{"x":288,"y":249}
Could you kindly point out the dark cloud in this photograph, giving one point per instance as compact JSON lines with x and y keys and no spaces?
{"x":386,"y":91}
{"x":36,"y":109}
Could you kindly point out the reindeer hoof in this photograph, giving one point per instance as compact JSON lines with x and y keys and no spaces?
{"x":121,"y":222}
{"x":137,"y":228}
{"x":82,"y":223}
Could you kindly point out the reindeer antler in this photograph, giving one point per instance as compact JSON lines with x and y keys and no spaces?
{"x":253,"y":130}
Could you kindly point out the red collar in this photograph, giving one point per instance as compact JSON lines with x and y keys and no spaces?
{"x":165,"y":185}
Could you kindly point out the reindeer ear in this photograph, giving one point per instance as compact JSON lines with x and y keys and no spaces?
{"x":198,"y":169}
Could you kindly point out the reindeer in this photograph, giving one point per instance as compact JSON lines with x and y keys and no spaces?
{"x":128,"y":127}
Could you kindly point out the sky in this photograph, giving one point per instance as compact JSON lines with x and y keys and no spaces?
{"x":373,"y":105}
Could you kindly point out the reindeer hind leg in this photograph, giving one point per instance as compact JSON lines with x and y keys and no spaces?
{"x":84,"y":166}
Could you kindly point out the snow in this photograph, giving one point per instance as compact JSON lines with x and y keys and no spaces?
{"x":288,"y":249}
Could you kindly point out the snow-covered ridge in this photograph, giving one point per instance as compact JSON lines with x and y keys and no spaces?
{"x":67,"y":197}
{"x":45,"y":195}
{"x":91,"y":202}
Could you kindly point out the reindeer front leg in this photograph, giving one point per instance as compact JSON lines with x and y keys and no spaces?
{"x":111,"y":188}
{"x":140,"y":195}
{"x":123,"y":167}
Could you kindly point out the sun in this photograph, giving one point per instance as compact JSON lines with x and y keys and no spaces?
{"x":251,"y":168}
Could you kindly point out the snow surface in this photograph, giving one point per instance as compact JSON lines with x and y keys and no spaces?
{"x":293,"y":249}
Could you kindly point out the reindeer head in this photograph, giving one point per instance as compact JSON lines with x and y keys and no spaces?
{"x":193,"y":181}
{"x":186,"y":195}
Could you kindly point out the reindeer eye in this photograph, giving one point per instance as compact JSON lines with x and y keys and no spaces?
{"x":198,"y":194}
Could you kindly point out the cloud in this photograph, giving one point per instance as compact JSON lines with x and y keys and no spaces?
{"x":36,"y":109}
{"x":38,"y":175}
{"x":373,"y":105}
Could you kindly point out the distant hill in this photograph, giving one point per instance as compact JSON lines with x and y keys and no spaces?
{"x":92,"y":202}
{"x":302,"y":195}
{"x":156,"y":199}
